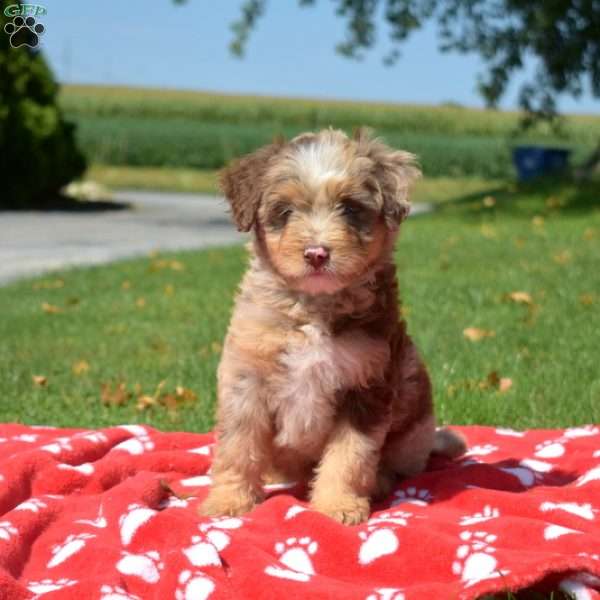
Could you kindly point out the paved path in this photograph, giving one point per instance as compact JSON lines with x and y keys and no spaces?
{"x":35,"y":242}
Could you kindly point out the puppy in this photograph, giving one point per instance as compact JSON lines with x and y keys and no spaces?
{"x":318,"y":377}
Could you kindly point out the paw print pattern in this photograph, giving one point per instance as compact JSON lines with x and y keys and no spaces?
{"x":139,"y":443}
{"x":58,"y":445}
{"x":96,"y":437}
{"x":486,"y":514}
{"x":386,"y":594}
{"x":412,"y":495}
{"x":395,"y":517}
{"x":45,"y":586}
{"x":550,"y":449}
{"x":474,"y":561}
{"x":33,"y":504}
{"x":7,"y":530}
{"x":110,"y":592}
{"x":295,"y":554}
{"x":73,"y":544}
{"x":377,"y":542}
{"x":135,"y":517}
{"x":24,"y":32}
{"x":194,"y":586}
{"x":294,"y":511}
{"x":585,"y":431}
{"x":527,"y":475}
{"x":202,"y":553}
{"x":482,"y":450}
{"x":146,"y":566}
{"x":216,"y":530}
{"x":585,"y":511}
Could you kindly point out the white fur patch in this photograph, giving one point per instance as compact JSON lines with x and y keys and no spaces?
{"x":318,"y":368}
{"x":320,"y":160}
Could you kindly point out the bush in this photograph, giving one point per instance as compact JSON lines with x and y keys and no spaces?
{"x":38,"y":154}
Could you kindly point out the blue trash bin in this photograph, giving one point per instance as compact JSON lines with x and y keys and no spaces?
{"x":534,"y":161}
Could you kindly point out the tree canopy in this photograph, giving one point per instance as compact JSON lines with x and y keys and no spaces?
{"x":562,"y":36}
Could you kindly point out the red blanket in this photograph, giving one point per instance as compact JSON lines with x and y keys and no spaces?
{"x":111,"y":514}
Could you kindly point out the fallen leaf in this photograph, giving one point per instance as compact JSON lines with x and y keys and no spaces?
{"x":563,"y":258}
{"x":504,"y":384}
{"x":587,"y":299}
{"x":169,"y":289}
{"x":553,"y":202}
{"x":114,"y":397}
{"x":40,"y":380}
{"x":487,"y":231}
{"x":475,"y":334}
{"x":50,"y":309}
{"x":590,"y":233}
{"x":489,"y":201}
{"x":216,"y":347}
{"x":80,"y":367}
{"x":49,"y":284}
{"x":520,"y":297}
{"x":140,"y":302}
{"x":537,"y":221}
{"x":126,"y":285}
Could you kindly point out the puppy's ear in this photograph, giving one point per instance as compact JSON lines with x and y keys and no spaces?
{"x":395,"y":171}
{"x":243,"y":186}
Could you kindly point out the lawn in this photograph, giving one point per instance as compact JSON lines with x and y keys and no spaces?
{"x":139,"y":341}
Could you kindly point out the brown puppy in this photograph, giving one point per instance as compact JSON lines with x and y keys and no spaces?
{"x":318,"y":377}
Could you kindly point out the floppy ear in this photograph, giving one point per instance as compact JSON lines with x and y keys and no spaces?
{"x":395,"y":172}
{"x":242,"y":184}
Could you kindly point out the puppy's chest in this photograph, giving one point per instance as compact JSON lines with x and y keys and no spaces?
{"x":314,"y":369}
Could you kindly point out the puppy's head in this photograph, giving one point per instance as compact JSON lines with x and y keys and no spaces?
{"x":323,"y":207}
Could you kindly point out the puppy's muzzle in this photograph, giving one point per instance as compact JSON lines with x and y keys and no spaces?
{"x":316,"y":256}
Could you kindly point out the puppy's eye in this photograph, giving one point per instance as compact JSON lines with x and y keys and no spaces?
{"x":279,"y":215}
{"x":350,"y":209}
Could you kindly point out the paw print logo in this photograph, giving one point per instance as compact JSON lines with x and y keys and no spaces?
{"x":110,"y":592}
{"x":139,"y":443}
{"x":33,"y":504}
{"x":135,"y":517}
{"x":146,"y":566}
{"x":7,"y":530}
{"x":395,"y":517}
{"x":73,"y":544}
{"x":295,"y":554}
{"x":58,"y":445}
{"x":216,"y":530}
{"x":194,"y":586}
{"x":376,"y":542}
{"x":202,"y":553}
{"x":45,"y":586}
{"x":412,"y":495}
{"x":479,"y":517}
{"x":474,"y":558}
{"x":24,"y":32}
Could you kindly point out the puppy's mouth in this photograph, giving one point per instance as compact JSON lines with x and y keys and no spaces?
{"x":321,"y":280}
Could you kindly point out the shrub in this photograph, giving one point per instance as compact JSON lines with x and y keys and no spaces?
{"x":38,"y":154}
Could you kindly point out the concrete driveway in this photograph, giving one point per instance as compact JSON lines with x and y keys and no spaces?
{"x":34,"y":242}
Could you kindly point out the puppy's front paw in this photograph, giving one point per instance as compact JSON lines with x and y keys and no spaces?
{"x":348,"y":509}
{"x":228,"y":500}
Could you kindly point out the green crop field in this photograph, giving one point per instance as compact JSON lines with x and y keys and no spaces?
{"x":139,"y":127}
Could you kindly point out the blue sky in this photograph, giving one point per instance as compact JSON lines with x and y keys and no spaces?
{"x":159,"y":44}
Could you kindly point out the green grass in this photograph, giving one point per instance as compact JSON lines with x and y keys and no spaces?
{"x":432,"y":190}
{"x":136,"y":127}
{"x":456,"y":268}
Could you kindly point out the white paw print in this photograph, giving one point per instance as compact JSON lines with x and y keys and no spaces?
{"x":585,"y":511}
{"x":474,"y":561}
{"x":585,"y":431}
{"x":73,"y":544}
{"x":136,"y":516}
{"x":44,"y":586}
{"x":386,"y":594}
{"x":509,"y":432}
{"x":194,"y":586}
{"x":110,"y":592}
{"x":146,"y":566}
{"x":295,"y":554}
{"x":294,"y":511}
{"x":139,"y":443}
{"x":527,"y":475}
{"x":412,"y":495}
{"x":394,"y":517}
{"x":29,"y":438}
{"x":588,"y":555}
{"x":173,"y":502}
{"x":33,"y":504}
{"x":481,"y":450}
{"x":549,"y":449}
{"x":96,"y":437}
{"x":202,"y":553}
{"x":215,"y":530}
{"x":7,"y":530}
{"x":58,"y":445}
{"x":486,"y":514}
{"x":376,"y":543}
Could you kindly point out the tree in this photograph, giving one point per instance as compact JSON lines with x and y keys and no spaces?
{"x":563,"y":36}
{"x":38,"y":154}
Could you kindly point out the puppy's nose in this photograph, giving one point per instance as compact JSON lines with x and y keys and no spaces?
{"x":316,"y":256}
